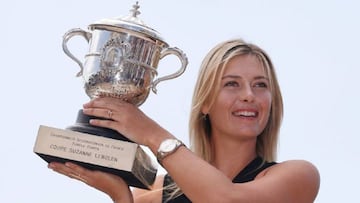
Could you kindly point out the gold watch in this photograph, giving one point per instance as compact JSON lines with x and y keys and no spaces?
{"x":167,"y":147}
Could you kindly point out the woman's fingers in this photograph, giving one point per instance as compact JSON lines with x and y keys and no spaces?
{"x":106,"y":107}
{"x":110,"y":184}
{"x":125,"y":118}
{"x":113,"y":110}
{"x":71,"y":170}
{"x":101,"y":113}
{"x":105,"y":103}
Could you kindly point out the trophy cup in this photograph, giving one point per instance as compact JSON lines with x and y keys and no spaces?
{"x":122,"y":62}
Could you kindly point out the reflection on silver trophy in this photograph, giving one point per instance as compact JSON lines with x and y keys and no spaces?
{"x":123,"y":58}
{"x":121,"y":62}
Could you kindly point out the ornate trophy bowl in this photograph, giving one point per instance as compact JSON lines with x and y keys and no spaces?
{"x":123,"y":58}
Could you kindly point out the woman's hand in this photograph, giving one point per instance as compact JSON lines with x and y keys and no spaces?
{"x":127,"y":119}
{"x":112,"y":185}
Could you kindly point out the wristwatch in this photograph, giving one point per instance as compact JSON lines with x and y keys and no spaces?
{"x":167,"y":147}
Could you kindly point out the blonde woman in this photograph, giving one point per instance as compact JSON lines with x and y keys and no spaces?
{"x":234,"y":125}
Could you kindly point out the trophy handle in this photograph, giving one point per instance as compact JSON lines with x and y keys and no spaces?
{"x":183,"y":59}
{"x":67,"y":36}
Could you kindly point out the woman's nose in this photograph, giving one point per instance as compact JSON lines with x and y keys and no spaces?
{"x":246,"y":94}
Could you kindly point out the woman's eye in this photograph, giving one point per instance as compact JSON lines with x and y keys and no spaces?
{"x":231,"y":84}
{"x":261,"y":84}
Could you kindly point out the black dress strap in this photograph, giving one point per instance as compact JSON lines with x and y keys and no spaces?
{"x":252,"y":170}
{"x":247,"y":174}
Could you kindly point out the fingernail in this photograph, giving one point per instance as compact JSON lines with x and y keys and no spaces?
{"x":51,"y":166}
{"x":87,"y":103}
{"x":68,"y":164}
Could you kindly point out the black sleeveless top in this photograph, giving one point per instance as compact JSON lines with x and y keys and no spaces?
{"x":247,"y":174}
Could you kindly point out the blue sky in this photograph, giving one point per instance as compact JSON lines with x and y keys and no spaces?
{"x":313,"y":44}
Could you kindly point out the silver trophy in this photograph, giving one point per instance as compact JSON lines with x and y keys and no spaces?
{"x":123,"y":58}
{"x":122,"y":62}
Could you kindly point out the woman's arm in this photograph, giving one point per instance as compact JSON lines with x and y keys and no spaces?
{"x":295,"y":181}
{"x":150,"y":196}
{"x":291,"y":181}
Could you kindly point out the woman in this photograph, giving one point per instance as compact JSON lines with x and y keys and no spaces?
{"x":235,"y":119}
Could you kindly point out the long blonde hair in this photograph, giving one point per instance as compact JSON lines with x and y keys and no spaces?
{"x":207,"y":88}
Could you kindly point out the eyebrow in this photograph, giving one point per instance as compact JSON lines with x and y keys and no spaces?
{"x":237,"y":77}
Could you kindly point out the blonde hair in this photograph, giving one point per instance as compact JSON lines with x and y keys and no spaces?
{"x":207,"y":88}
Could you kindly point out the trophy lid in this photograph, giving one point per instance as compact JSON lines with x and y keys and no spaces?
{"x":130,"y":23}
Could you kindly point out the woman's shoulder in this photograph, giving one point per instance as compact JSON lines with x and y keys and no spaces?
{"x":153,"y":195}
{"x":298,"y":166}
{"x":299,"y":176}
{"x":294,"y":168}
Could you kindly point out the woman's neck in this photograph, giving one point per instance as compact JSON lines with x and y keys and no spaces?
{"x":231,"y":156}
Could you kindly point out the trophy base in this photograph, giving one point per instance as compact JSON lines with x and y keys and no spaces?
{"x":82,"y":125}
{"x":96,"y":149}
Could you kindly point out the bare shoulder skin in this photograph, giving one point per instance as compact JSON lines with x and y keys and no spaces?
{"x":293,"y":181}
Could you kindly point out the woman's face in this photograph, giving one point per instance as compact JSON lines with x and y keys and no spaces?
{"x":242,"y":107}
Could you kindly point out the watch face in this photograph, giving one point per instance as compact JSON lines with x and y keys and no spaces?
{"x":168,"y":145}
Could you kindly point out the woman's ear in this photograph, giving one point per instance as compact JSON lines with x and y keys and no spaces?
{"x":205,"y":109}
